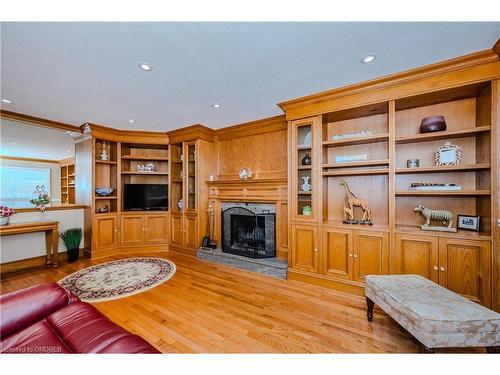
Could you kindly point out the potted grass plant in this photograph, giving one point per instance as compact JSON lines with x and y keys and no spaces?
{"x":72,"y":238}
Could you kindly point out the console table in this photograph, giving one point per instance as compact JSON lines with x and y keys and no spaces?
{"x":51,"y":229}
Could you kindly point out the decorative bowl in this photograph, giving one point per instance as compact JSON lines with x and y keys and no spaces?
{"x":103,"y":191}
{"x":432,"y":124}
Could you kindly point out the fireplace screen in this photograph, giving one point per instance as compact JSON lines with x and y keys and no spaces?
{"x":247,"y":233}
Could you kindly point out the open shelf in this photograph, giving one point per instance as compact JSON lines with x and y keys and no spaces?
{"x":145,"y":173}
{"x":304,"y":167}
{"x":106,"y":162}
{"x":460,"y":133}
{"x":444,"y":193}
{"x":456,"y":168}
{"x":357,"y":140}
{"x":147,"y":158}
{"x":108,"y":197}
{"x":356,"y":172}
{"x":364,"y":163}
{"x":302,"y":148}
{"x":340,"y":224}
{"x":411,"y":229}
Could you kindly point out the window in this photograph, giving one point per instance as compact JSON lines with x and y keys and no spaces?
{"x":18,"y":183}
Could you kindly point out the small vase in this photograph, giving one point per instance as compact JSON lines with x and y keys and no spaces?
{"x":180,"y":204}
{"x":4,"y":220}
{"x":306,"y":186}
{"x":306,"y":160}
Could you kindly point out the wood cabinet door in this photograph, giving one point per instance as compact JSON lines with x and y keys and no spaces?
{"x":464,"y":267}
{"x":305,"y":245}
{"x":105,"y":232}
{"x":371,"y":254}
{"x":418,"y":255}
{"x":337,"y":252}
{"x":132,"y":229}
{"x":177,"y":230}
{"x":156,"y":229}
{"x":191,"y":231}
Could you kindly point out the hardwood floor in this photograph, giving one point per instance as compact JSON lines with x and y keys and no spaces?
{"x":209,"y":308}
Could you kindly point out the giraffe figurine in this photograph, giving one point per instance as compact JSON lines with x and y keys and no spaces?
{"x":352,"y":201}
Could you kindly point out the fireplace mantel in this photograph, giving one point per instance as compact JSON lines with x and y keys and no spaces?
{"x":253,"y":190}
{"x":269,"y":190}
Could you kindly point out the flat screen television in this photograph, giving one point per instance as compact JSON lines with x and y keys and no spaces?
{"x":145,"y":197}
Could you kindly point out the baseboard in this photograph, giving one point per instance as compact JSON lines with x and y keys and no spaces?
{"x":34,"y":262}
{"x":321,"y":280}
{"x":97,"y":254}
{"x":184,"y":251}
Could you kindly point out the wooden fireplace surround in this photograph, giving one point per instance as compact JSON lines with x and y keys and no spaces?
{"x":253,"y":191}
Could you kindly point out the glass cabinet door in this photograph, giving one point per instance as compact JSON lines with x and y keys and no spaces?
{"x":190,"y":173}
{"x":304,"y":169}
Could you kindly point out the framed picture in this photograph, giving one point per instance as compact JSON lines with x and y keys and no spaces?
{"x":448,"y":154}
{"x":468,"y":222}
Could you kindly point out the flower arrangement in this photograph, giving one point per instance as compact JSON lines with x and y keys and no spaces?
{"x":43,"y":199}
{"x":5,"y":213}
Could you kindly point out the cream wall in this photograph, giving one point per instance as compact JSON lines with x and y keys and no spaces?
{"x":31,"y":245}
{"x":55,"y":175}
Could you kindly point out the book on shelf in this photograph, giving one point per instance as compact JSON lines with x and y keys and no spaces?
{"x":422,"y":186}
{"x":350,"y":158}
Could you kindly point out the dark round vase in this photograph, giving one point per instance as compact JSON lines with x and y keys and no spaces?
{"x":73,"y":255}
{"x":306,"y":160}
{"x":432,"y":124}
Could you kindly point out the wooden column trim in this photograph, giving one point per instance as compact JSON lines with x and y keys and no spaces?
{"x":495,"y":198}
{"x":38,"y":121}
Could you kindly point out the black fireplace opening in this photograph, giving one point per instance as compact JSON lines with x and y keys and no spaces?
{"x":248,"y":234}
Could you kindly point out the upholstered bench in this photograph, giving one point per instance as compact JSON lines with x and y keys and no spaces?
{"x":435,"y":316}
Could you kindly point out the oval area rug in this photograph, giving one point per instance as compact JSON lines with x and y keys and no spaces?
{"x":118,"y":278}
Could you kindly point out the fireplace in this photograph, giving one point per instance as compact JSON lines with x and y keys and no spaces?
{"x":249,"y":229}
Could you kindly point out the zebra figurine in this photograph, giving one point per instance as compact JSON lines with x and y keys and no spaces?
{"x":445,"y":216}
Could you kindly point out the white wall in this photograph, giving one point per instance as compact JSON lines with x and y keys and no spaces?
{"x":23,"y":246}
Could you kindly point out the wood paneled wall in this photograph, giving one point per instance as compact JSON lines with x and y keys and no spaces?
{"x":260,"y":146}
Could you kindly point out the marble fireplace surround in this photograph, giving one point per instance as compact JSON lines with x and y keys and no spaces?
{"x":256,"y":209}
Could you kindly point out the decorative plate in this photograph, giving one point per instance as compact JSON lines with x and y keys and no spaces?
{"x":245,"y":173}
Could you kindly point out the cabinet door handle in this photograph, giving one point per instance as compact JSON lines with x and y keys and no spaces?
{"x":442,"y":269}
{"x":355,"y":255}
{"x":116,"y":230}
{"x":350,"y":255}
{"x":315,"y":250}
{"x":436,"y":268}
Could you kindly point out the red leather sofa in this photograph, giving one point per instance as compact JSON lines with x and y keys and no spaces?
{"x":49,"y":319}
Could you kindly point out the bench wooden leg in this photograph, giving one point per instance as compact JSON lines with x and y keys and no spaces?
{"x":425,"y":350}
{"x":493,"y":349}
{"x":369,"y":309}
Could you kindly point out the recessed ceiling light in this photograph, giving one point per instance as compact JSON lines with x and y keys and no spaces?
{"x":145,"y":66}
{"x":14,"y":144}
{"x":131,"y":121}
{"x":368,"y":58}
{"x":68,"y":150}
{"x":216,"y":105}
{"x":7,"y":101}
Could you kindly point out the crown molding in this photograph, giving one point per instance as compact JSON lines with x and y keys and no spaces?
{"x":496,"y":48}
{"x":36,"y":160}
{"x":189,"y":133}
{"x":437,"y":69}
{"x":38,"y":121}
{"x":120,"y":135}
{"x":247,"y":129}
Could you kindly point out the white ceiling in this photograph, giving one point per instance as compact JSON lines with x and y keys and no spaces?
{"x":79,"y":72}
{"x":30,"y":141}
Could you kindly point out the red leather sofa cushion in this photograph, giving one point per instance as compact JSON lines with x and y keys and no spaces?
{"x":49,"y":319}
